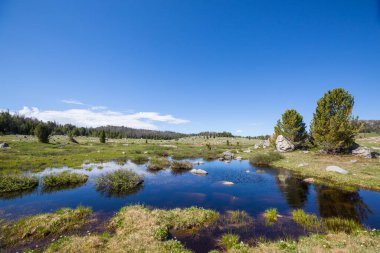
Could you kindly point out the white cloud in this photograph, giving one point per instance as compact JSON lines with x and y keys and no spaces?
{"x":239,"y":131}
{"x":72,"y":102}
{"x":95,"y":118}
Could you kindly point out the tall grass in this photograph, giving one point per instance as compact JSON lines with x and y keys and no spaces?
{"x":265,"y":159}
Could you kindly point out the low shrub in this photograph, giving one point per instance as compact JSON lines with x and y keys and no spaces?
{"x":306,"y":220}
{"x":62,"y":179}
{"x":118,"y":182}
{"x":11,"y":183}
{"x":178,"y":165}
{"x":39,"y":226}
{"x":265,"y":159}
{"x":158,"y":164}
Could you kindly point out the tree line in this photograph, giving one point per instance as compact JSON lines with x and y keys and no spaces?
{"x":18,"y":124}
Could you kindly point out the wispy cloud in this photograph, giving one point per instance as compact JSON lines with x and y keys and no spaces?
{"x":99,"y":117}
{"x":239,"y":131}
{"x":72,"y":102}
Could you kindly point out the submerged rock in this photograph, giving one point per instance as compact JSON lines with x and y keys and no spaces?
{"x":363,"y":152}
{"x":283,"y":144}
{"x":199,"y":172}
{"x":227,"y":183}
{"x":336,"y":169}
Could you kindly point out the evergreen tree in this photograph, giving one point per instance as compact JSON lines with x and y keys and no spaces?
{"x":333,"y":128}
{"x":291,"y":126}
{"x":42,"y":132}
{"x":102,"y":136}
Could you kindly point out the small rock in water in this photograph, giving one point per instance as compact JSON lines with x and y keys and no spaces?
{"x":309,"y":180}
{"x":336,"y":169}
{"x":227,"y":183}
{"x":247,"y":171}
{"x":199,"y":172}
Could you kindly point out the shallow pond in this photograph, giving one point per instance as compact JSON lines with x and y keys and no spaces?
{"x":254,"y":191}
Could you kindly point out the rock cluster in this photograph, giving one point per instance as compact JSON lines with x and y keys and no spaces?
{"x":4,"y":145}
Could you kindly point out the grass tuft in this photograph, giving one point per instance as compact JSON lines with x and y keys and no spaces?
{"x":306,"y":220}
{"x":239,"y":217}
{"x":11,"y":183}
{"x":270,"y":215}
{"x":265,"y":159}
{"x":119,"y":182}
{"x":63,"y":179}
{"x":178,"y":165}
{"x":158,"y":164}
{"x":228,"y":241}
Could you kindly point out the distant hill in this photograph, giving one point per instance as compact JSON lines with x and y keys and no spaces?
{"x":370,"y":126}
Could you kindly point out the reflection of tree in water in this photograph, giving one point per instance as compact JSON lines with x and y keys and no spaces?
{"x":334,"y":202}
{"x":294,"y":189}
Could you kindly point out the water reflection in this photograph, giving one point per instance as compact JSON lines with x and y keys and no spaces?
{"x":294,"y":189}
{"x":16,"y":194}
{"x":339,"y":203}
{"x":51,"y":189}
{"x":121,"y":193}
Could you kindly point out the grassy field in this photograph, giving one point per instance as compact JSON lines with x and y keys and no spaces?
{"x":25,"y":153}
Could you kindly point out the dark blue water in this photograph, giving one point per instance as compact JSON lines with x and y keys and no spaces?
{"x":254,"y":190}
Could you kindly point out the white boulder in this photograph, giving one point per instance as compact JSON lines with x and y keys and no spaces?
{"x":283,"y":144}
{"x":363,"y":152}
{"x":337,"y":169}
{"x":199,"y":172}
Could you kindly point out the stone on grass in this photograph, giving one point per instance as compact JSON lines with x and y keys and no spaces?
{"x":363,"y":152}
{"x":4,"y":145}
{"x":199,"y":172}
{"x":302,"y":165}
{"x":337,"y":169}
{"x":238,"y":158}
{"x":283,"y":144}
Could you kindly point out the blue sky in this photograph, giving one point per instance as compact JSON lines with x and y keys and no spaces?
{"x":186,"y":65}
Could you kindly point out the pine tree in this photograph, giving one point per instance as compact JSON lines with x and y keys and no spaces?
{"x":291,"y":126}
{"x":102,"y":137}
{"x":42,"y":132}
{"x":333,"y":128}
